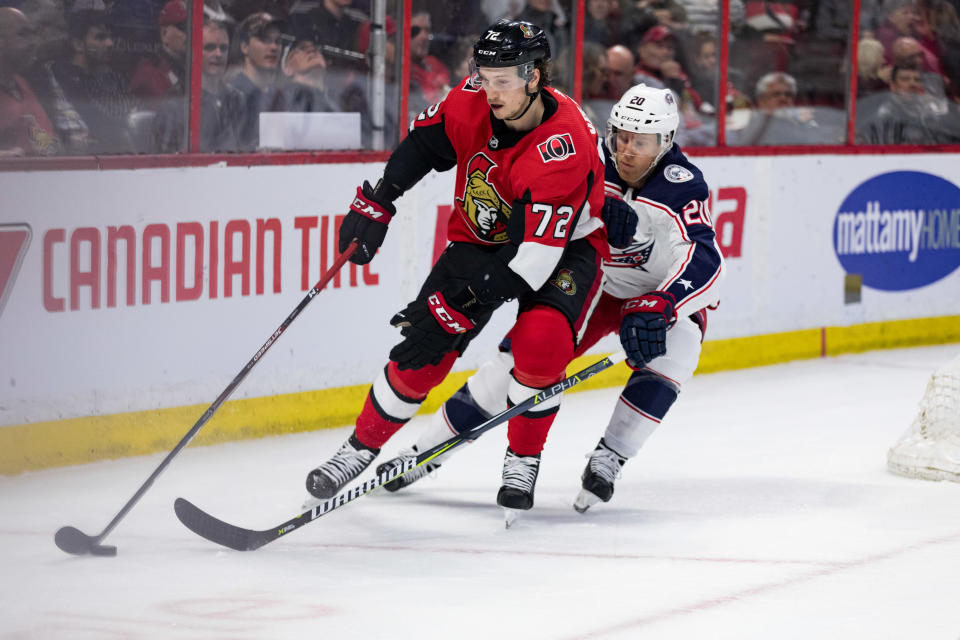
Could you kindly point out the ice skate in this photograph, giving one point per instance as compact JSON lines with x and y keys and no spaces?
{"x":519,"y":480}
{"x":409,"y":477}
{"x":333,"y":475}
{"x":602,"y":470}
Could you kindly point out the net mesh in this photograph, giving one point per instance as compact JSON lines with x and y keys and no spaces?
{"x":930,"y":449}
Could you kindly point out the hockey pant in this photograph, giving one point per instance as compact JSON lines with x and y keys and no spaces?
{"x":541,"y":344}
{"x":535,"y":359}
{"x":651,"y":391}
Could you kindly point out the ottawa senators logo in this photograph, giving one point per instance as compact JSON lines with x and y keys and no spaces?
{"x":487,"y":211}
{"x":556,"y":147}
{"x":564,"y":282}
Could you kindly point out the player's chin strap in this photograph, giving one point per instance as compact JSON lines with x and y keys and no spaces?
{"x":532,"y":96}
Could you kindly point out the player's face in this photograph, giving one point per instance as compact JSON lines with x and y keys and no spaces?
{"x":505,"y":89}
{"x":635,"y":153}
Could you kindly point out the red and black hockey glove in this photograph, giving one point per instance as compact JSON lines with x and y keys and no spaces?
{"x":643,"y":326}
{"x":620,"y":220}
{"x":366,"y":221}
{"x":433,"y":327}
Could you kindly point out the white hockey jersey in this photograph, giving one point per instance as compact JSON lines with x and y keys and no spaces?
{"x":674,"y":248}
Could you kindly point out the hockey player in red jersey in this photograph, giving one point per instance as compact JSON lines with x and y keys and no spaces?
{"x":663,"y":272}
{"x":526,"y":224}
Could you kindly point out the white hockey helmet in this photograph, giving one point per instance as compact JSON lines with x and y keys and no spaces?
{"x":644,"y":109}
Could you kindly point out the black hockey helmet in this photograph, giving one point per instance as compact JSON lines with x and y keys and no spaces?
{"x":510,"y":43}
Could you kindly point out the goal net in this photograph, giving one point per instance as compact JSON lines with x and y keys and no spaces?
{"x":930,"y":449}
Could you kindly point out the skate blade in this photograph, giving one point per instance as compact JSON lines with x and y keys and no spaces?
{"x":584,"y":501}
{"x":510,"y":516}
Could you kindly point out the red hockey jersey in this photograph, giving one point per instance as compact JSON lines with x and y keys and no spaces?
{"x":553,"y":174}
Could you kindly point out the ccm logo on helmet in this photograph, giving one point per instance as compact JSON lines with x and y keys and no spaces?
{"x":556,"y":147}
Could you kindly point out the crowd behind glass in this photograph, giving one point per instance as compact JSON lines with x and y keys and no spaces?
{"x":82,"y":77}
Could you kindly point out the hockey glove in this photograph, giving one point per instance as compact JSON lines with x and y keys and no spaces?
{"x":643,"y":326}
{"x":432,"y":327}
{"x":366,"y":221}
{"x":620,"y":220}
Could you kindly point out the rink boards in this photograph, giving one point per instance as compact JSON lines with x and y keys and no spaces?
{"x":130,"y":299}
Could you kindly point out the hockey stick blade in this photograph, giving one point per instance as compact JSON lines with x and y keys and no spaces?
{"x":76,"y":542}
{"x":241,"y":539}
{"x":72,"y":540}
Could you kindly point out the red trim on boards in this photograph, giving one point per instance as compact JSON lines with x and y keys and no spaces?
{"x":91,"y":163}
{"x":827,"y":150}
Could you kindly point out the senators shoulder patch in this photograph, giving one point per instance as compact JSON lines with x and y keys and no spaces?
{"x":556,"y":147}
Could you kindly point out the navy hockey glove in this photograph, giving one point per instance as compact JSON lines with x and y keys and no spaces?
{"x":432,"y":327}
{"x":366,"y":221}
{"x":620,"y":220}
{"x":643,"y":326}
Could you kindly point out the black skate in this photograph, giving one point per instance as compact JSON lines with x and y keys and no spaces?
{"x":519,"y":479}
{"x":409,"y":477}
{"x":601,"y":472}
{"x":333,"y":475}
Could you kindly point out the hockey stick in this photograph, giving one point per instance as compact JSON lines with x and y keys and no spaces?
{"x":240,"y":539}
{"x":72,"y":540}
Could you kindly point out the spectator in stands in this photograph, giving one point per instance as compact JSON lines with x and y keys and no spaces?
{"x":222,"y":108}
{"x":870,"y":67}
{"x":670,"y":14}
{"x":777,"y":119}
{"x":908,"y":52}
{"x":594,"y":84}
{"x":898,"y":19}
{"x":657,"y":47}
{"x":620,"y":69}
{"x":461,"y":54}
{"x":98,"y":93}
{"x":600,"y":23}
{"x":160,"y":74}
{"x":704,"y":67}
{"x":909,"y":115}
{"x":50,"y":34}
{"x":332,"y":23}
{"x":304,"y":86}
{"x":25,"y":128}
{"x":429,"y":77}
{"x":260,"y":38}
{"x":547,"y":15}
{"x":703,"y":16}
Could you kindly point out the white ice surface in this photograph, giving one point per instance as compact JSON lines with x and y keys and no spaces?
{"x":760,"y":509}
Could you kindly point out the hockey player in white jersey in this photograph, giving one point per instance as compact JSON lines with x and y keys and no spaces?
{"x":663,"y":274}
{"x":657,"y":287}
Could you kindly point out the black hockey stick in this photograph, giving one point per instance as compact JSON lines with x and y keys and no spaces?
{"x":240,"y":539}
{"x":72,"y":540}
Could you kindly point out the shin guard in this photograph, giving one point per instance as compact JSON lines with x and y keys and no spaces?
{"x":542,"y":343}
{"x":395,"y":397}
